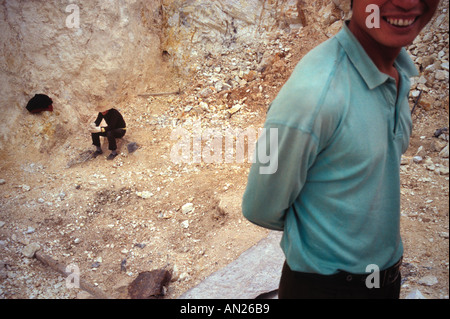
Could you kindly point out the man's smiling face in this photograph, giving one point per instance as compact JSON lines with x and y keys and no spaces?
{"x":400,"y":20}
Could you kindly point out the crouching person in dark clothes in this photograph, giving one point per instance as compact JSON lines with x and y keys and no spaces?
{"x":115,"y":128}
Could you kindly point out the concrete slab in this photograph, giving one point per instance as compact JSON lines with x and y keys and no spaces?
{"x":255,"y":273}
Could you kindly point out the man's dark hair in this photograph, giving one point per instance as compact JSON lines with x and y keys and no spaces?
{"x":351,"y":4}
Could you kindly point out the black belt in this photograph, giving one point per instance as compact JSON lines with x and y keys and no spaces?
{"x":386,"y":277}
{"x":342,"y":278}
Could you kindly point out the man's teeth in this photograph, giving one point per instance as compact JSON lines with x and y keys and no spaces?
{"x":400,"y":22}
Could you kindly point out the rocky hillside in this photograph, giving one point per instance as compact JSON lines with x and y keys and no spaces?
{"x":81,"y":55}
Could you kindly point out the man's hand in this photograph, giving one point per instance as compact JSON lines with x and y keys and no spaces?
{"x":94,"y":129}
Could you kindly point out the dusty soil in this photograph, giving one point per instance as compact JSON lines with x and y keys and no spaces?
{"x":93,"y":214}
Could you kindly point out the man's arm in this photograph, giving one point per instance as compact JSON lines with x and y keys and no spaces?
{"x":269,"y":195}
{"x":99,"y":119}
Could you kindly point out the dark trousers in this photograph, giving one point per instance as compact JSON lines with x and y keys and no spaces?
{"x":343,"y":285}
{"x":110,"y":135}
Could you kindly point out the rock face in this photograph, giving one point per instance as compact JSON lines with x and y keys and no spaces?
{"x":431,"y":56}
{"x":201,"y":27}
{"x":80,"y":54}
{"x":83,"y":54}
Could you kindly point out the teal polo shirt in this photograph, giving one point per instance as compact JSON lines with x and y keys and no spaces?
{"x":341,"y":129}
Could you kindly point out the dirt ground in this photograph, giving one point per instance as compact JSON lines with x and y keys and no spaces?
{"x":100,"y":215}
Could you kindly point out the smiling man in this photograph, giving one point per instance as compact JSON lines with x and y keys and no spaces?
{"x":343,"y":122}
{"x":400,"y":23}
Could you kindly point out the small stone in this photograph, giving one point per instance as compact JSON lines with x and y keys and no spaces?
{"x":150,"y":284}
{"x":187,"y":208}
{"x":23,"y":240}
{"x":429,"y":165}
{"x":175,"y":273}
{"x":421,"y":151}
{"x":438,"y":145}
{"x":442,"y":170}
{"x":30,"y":250}
{"x":415,"y":93}
{"x":416,"y":294}
{"x":219,"y":86}
{"x":144,"y":194}
{"x":206,"y":92}
{"x":2,"y":181}
{"x":443,"y":235}
{"x":441,"y":75}
{"x":226,"y":86}
{"x":30,"y":230}
{"x":251,"y":76}
{"x":185,"y":224}
{"x":422,"y":80}
{"x":428,"y":281}
{"x":430,"y":68}
{"x":95,"y":265}
{"x":235,"y":108}
{"x":444,"y":152}
{"x":183,"y":276}
{"x":165,"y":215}
{"x":204,"y":106}
{"x":417,"y":159}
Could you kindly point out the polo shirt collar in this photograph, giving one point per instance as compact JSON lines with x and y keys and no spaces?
{"x":364,"y":64}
